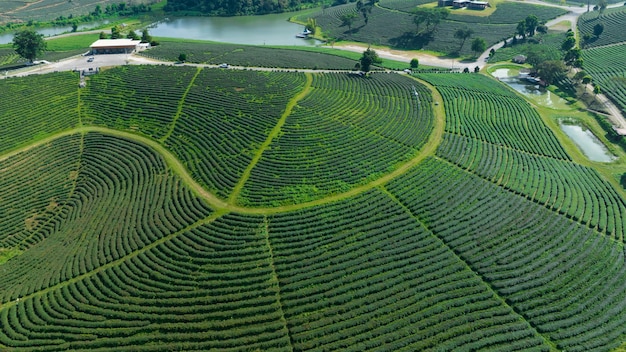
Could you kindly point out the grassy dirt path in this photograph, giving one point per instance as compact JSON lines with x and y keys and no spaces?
{"x":275,"y":131}
{"x":222,"y":205}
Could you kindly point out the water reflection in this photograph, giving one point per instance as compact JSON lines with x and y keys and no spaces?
{"x":588,"y":143}
{"x":537,"y":93}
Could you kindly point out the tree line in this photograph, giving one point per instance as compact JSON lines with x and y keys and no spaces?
{"x":237,"y":7}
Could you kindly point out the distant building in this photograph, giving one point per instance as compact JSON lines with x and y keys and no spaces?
{"x":114,"y":46}
{"x":477,"y":5}
{"x":457,"y":4}
{"x":460,"y":3}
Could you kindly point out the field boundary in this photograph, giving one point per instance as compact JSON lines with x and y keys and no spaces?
{"x":179,"y":108}
{"x":275,"y":131}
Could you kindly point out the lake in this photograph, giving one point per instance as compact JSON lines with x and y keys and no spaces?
{"x":6,"y":38}
{"x":537,"y":93}
{"x":587,"y":142}
{"x":274,"y":29}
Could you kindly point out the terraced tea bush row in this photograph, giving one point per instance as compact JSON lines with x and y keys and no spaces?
{"x":36,"y":106}
{"x":138,"y":98}
{"x":124,"y":199}
{"x":475,"y":110}
{"x":396,"y":29}
{"x":402,"y":5}
{"x":34,"y":189}
{"x":564,"y":278}
{"x":347,"y":131}
{"x":563,"y":186}
{"x":509,"y":13}
{"x":246,"y":55}
{"x":613,"y":21}
{"x":362,"y":274}
{"x":606,"y":67}
{"x":226,"y":117}
{"x":211,"y":288}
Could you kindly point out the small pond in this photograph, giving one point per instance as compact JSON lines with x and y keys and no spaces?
{"x":272,"y":29}
{"x":6,"y":38}
{"x":537,"y":93}
{"x":588,"y":143}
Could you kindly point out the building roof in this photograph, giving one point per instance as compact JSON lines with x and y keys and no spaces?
{"x":479,"y":3}
{"x":114,"y":43}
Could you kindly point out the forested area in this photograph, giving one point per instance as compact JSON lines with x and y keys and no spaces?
{"x":237,"y":7}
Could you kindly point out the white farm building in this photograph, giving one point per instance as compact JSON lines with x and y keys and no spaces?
{"x":114,"y":46}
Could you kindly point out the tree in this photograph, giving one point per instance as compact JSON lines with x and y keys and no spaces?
{"x":348,"y":19}
{"x":414,"y":63}
{"x":145,"y":36}
{"x":478,"y":45}
{"x":430,"y":17}
{"x":571,"y":56}
{"x":602,"y":4}
{"x":598,"y":29}
{"x":521,"y":29}
{"x":531,"y":23}
{"x":74,"y":27}
{"x":550,"y":71}
{"x":364,"y":9}
{"x":311,"y":25}
{"x":28,"y":44}
{"x":596,"y":89}
{"x":463,"y":35}
{"x":476,"y":69}
{"x":182,"y":57}
{"x":466,"y":70}
{"x":568,"y":43}
{"x":115,"y":33}
{"x":132,"y":35}
{"x":543,"y":29}
{"x":578,"y":77}
{"x":369,"y":57}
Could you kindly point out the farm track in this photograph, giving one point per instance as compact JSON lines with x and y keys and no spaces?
{"x":221,"y":205}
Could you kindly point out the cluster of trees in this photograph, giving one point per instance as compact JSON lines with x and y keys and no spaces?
{"x":529,"y":26}
{"x":237,"y":7}
{"x":116,"y":33}
{"x":430,"y":18}
{"x":121,"y":9}
{"x":478,"y":44}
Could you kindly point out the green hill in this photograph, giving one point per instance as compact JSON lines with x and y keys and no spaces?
{"x":186,"y":208}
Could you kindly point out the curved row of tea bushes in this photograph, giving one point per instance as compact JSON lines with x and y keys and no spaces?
{"x":210,"y":288}
{"x":227,"y":116}
{"x":563,"y":186}
{"x":606,"y":66}
{"x":124,"y":199}
{"x":563,"y":278}
{"x":347,"y":131}
{"x":362,"y":274}
{"x":136,"y":97}
{"x":480,"y":108}
{"x":34,"y":189}
{"x":36,"y":106}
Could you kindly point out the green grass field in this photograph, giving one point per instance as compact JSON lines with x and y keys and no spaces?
{"x":170,"y":208}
